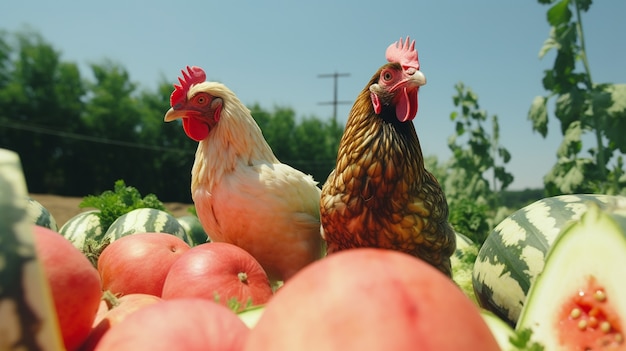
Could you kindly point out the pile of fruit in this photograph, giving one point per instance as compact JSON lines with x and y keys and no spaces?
{"x":547,"y":278}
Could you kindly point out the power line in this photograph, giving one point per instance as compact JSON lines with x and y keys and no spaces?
{"x":93,"y":139}
{"x":335,"y":102}
{"x":43,"y":130}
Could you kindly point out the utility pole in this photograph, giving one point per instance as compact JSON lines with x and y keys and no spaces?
{"x":335,"y":102}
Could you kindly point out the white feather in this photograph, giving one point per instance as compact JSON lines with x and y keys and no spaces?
{"x":246,"y":197}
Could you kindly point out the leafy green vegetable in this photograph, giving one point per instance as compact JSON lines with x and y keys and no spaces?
{"x":463,"y":267}
{"x":123,"y":199}
{"x":470,"y":218}
{"x":521,"y":341}
{"x":192,"y":211}
{"x":233,"y":304}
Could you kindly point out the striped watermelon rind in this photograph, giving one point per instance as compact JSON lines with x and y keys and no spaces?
{"x":27,"y":317}
{"x":514,"y":252}
{"x":145,"y":220}
{"x":40,"y":215}
{"x":587,"y":258}
{"x":83,"y":227}
{"x":194,"y":229}
{"x":501,"y":331}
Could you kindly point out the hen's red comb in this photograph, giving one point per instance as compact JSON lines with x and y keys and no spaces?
{"x":403,"y":53}
{"x":194,"y":75}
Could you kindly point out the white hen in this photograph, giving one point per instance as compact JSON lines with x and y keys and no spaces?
{"x":243,"y":194}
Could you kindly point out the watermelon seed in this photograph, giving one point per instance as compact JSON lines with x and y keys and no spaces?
{"x":605,"y":327}
{"x":575,"y":313}
{"x":599,"y":295}
{"x":582,"y":324}
{"x":593,"y":322}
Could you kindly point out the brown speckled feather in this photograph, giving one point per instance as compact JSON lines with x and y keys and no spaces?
{"x":380,"y":194}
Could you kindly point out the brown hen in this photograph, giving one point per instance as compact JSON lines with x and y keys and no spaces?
{"x":380,"y":194}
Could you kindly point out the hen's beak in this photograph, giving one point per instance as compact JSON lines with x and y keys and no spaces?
{"x":172,"y":115}
{"x":417,"y":78}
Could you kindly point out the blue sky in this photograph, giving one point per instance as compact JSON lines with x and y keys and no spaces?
{"x":272,"y":52}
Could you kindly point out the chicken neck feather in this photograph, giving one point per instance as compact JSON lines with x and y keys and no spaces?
{"x":380,"y":194}
{"x":235,"y":141}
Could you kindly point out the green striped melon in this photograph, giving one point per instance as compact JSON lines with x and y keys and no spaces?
{"x":27,"y":317}
{"x":40,"y":215}
{"x":81,"y":228}
{"x":145,"y":220}
{"x":514,"y":252}
{"x":194,"y":229}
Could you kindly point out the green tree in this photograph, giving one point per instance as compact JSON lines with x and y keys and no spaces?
{"x":5,"y":59}
{"x":114,"y":125}
{"x":278,"y":127}
{"x":41,"y":104}
{"x":316,"y":144}
{"x":172,"y":152}
{"x":583,"y":107}
{"x":78,"y":136}
{"x":309,"y":145}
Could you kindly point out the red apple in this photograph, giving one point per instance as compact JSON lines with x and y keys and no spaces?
{"x":218,"y":271}
{"x":138,"y":263}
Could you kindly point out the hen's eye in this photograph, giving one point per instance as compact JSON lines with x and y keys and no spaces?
{"x":387,"y":76}
{"x":201,"y":99}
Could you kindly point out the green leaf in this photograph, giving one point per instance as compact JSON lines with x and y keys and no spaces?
{"x":616,"y":116}
{"x":569,"y":107}
{"x":559,"y":13}
{"x":570,"y":176}
{"x":565,"y":37}
{"x":564,"y":78}
{"x":460,"y":128}
{"x":453,"y":115}
{"x":575,"y":176}
{"x":584,"y":4}
{"x":123,"y":199}
{"x":480,"y":115}
{"x":571,"y":144}
{"x":468,"y":216}
{"x":549,"y":44}
{"x":504,"y":154}
{"x":538,"y":114}
{"x":548,"y":79}
{"x":522,"y":341}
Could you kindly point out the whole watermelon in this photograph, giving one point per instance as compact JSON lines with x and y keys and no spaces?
{"x":82,"y":228}
{"x":40,"y":215}
{"x":146,"y":220}
{"x":194,"y":229}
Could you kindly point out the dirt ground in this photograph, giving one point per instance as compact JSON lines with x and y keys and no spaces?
{"x":63,"y":208}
